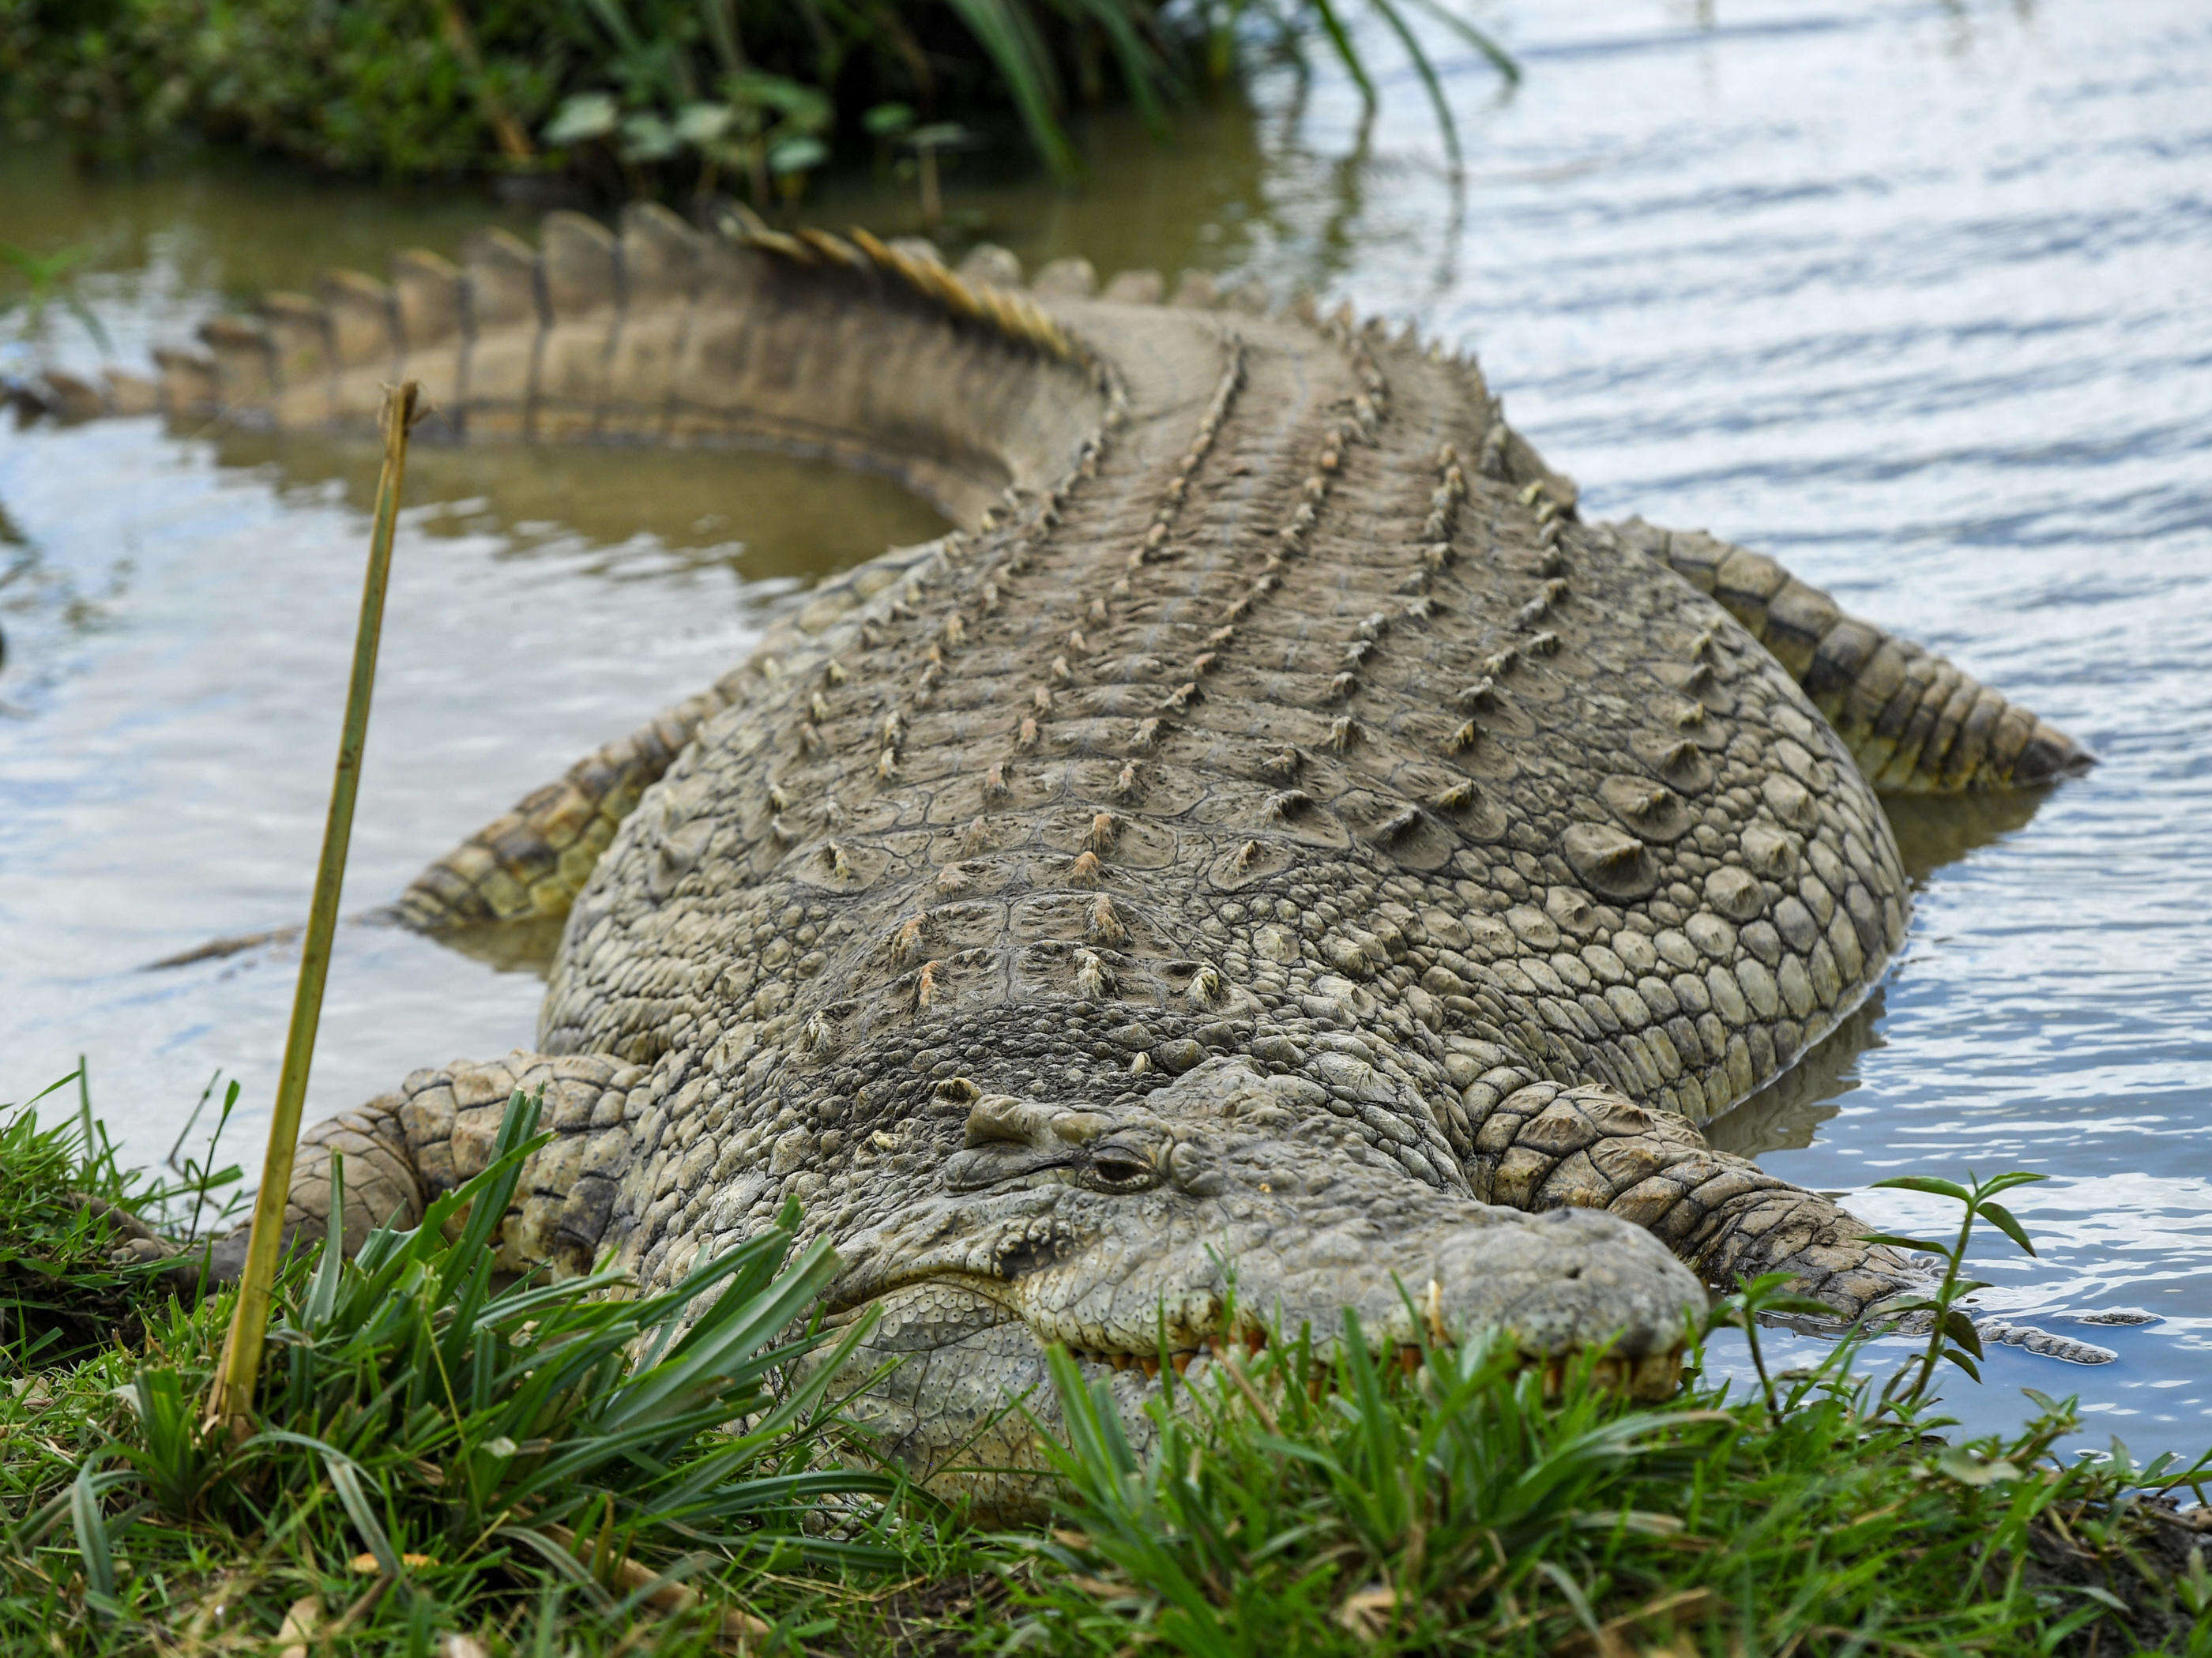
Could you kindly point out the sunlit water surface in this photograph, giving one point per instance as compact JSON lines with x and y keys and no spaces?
{"x":1918,"y":298}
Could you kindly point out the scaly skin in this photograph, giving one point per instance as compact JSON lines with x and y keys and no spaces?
{"x":1275,"y":836}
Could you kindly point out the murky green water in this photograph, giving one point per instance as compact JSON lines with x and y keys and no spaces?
{"x":1916,"y":297}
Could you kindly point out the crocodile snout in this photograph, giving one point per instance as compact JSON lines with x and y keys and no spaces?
{"x":1230,"y":1208}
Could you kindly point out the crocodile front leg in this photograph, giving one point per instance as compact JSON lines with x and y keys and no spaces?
{"x":405,"y":1149}
{"x":1548,"y":1146}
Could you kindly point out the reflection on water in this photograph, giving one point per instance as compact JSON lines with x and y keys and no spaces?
{"x":632,"y":515}
{"x":1914,"y":297}
{"x":176,"y":615}
{"x":1932,"y":833}
{"x":1786,"y":1114}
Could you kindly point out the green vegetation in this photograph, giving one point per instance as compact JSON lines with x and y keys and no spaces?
{"x":637,"y":96}
{"x":445,"y":1465}
{"x":42,"y":281}
{"x":68,"y":1287}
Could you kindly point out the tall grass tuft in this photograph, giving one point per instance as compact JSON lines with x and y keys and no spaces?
{"x":444,"y":1463}
{"x":70,"y":1210}
{"x":653,"y":94}
{"x":422,"y":1425}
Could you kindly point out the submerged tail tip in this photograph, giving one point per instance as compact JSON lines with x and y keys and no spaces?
{"x":2050,"y":757}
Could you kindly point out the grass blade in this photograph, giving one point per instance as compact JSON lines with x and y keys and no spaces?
{"x":695,"y":1364}
{"x":1500,"y":59}
{"x":1427,"y":71}
{"x":91,"y":1528}
{"x":492,"y":1193}
{"x":1028,"y":77}
{"x":323,"y":1293}
{"x":560,"y":1560}
{"x":1144,"y":71}
{"x":347,"y":1485}
{"x":719,"y":19}
{"x":84,"y":1107}
{"x":1346,"y":53}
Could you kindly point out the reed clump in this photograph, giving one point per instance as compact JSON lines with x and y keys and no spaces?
{"x":635,"y":95}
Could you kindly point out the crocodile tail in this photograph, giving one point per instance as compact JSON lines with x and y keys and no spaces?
{"x":1915,"y":723}
{"x":657,"y":332}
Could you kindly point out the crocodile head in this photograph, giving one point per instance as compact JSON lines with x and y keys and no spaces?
{"x":1222,"y":1206}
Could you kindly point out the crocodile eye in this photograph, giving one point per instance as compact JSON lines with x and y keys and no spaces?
{"x":1121,"y":1168}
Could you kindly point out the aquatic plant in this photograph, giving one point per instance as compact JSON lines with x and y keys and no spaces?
{"x":641,"y":94}
{"x":39,"y":283}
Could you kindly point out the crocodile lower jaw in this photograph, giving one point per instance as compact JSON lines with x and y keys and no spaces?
{"x":944,"y":1311}
{"x":1653,"y":1377}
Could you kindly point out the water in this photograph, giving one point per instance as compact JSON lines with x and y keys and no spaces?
{"x":1918,"y":298}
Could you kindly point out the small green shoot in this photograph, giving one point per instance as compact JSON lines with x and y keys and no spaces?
{"x":48,"y":280}
{"x":1951,"y":1333}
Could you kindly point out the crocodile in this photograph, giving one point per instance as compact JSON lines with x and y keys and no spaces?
{"x":1272,"y":857}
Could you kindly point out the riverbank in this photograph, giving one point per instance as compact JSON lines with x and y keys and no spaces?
{"x":438,"y":1470}
{"x":623,"y":97}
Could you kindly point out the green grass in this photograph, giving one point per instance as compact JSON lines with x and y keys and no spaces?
{"x":64,"y":1292}
{"x":1460,"y":1510}
{"x":552,"y":1469}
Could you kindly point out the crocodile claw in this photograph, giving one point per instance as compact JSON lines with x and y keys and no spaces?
{"x":1994,"y":1330}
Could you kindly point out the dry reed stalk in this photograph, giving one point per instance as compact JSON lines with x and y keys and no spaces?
{"x":231,"y":1400}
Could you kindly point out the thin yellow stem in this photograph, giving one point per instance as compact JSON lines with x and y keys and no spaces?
{"x":233,"y":1399}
